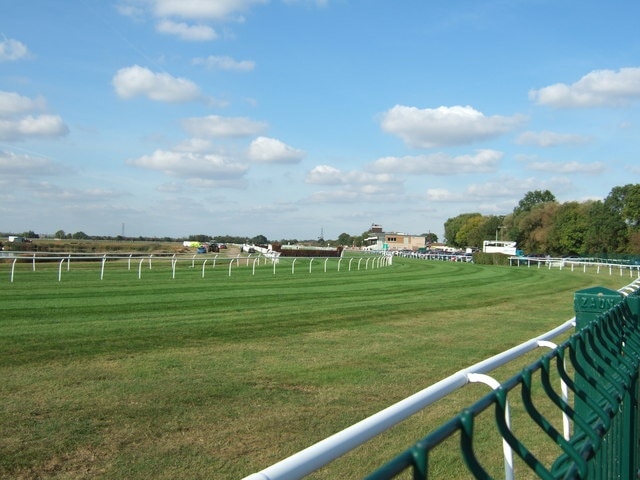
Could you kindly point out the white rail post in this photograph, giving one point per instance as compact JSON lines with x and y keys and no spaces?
{"x":60,"y":270}
{"x":140,"y":268}
{"x":566,"y":426}
{"x":13,"y":266}
{"x":293,"y":266}
{"x":104,"y":259}
{"x":310,"y":262}
{"x":203,"y":265}
{"x":34,"y":263}
{"x":506,"y":448}
{"x":325,"y":264}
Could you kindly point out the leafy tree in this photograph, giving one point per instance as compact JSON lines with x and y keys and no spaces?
{"x":606,"y":231}
{"x":199,"y":238}
{"x":345,"y":239}
{"x":453,"y":225}
{"x":533,"y":227}
{"x":532,"y":199}
{"x":567,"y":234}
{"x":80,"y":236}
{"x":259,"y":240}
{"x":470,"y":232}
{"x":430,"y":237}
{"x":60,"y":234}
{"x":626,"y":202}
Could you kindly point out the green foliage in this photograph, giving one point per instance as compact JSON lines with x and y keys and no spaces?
{"x":541,"y":225}
{"x":533,"y":198}
{"x":482,"y":258}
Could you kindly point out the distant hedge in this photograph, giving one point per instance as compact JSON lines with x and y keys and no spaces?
{"x":482,"y":258}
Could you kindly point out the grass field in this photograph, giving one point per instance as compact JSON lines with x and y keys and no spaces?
{"x":218,"y":377}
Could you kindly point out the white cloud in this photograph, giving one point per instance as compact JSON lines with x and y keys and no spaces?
{"x":12,"y":104}
{"x":225,"y":63}
{"x":217,"y":126}
{"x":197,"y":33}
{"x":351,"y":194}
{"x":137,"y":81}
{"x":27,"y":165}
{"x":594,"y":168}
{"x":190,"y":165}
{"x":597,"y":88}
{"x":551,"y":139}
{"x":11,"y":50}
{"x":17,"y":122}
{"x":328,"y":175}
{"x":32,"y":126}
{"x":443,"y":195}
{"x":442,"y":126}
{"x":202,"y":9}
{"x":483,"y":161}
{"x":271,"y":150}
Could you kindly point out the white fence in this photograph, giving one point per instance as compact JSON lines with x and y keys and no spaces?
{"x":139,"y":262}
{"x":600,"y":265}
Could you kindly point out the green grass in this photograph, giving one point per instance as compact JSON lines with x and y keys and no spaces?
{"x":218,"y":377}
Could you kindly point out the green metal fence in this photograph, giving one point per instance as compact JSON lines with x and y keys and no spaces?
{"x":598,"y":367}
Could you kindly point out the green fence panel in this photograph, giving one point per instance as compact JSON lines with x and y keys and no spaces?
{"x":599,"y":364}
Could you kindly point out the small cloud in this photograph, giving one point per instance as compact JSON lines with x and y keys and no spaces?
{"x":220,"y":10}
{"x":328,"y":175}
{"x":270,"y":150}
{"x":445,"y":126}
{"x":551,"y":139}
{"x":50,"y":126}
{"x":595,"y":89}
{"x":13,"y":164}
{"x":443,"y":195}
{"x":12,"y":104}
{"x":225,"y":63}
{"x":483,"y":161}
{"x":195,"y":33}
{"x":137,"y":81}
{"x":568,"y":168}
{"x":214,"y":126}
{"x":11,"y":50}
{"x":190,"y":165}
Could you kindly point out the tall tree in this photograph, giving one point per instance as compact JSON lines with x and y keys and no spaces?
{"x":606,"y":231}
{"x":567,"y":234}
{"x":453,"y":225}
{"x":533,"y":198}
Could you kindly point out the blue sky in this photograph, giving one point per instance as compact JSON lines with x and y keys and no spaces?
{"x":288,"y":118}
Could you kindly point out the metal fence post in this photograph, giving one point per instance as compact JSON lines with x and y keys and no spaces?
{"x":632,"y":433}
{"x":589,"y":305}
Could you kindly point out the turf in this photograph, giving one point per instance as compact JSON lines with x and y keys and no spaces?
{"x":143,"y":375}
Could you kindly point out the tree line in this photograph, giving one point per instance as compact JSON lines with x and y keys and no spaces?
{"x":542,"y":225}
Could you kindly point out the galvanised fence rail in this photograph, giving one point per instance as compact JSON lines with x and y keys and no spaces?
{"x":596,"y":399}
